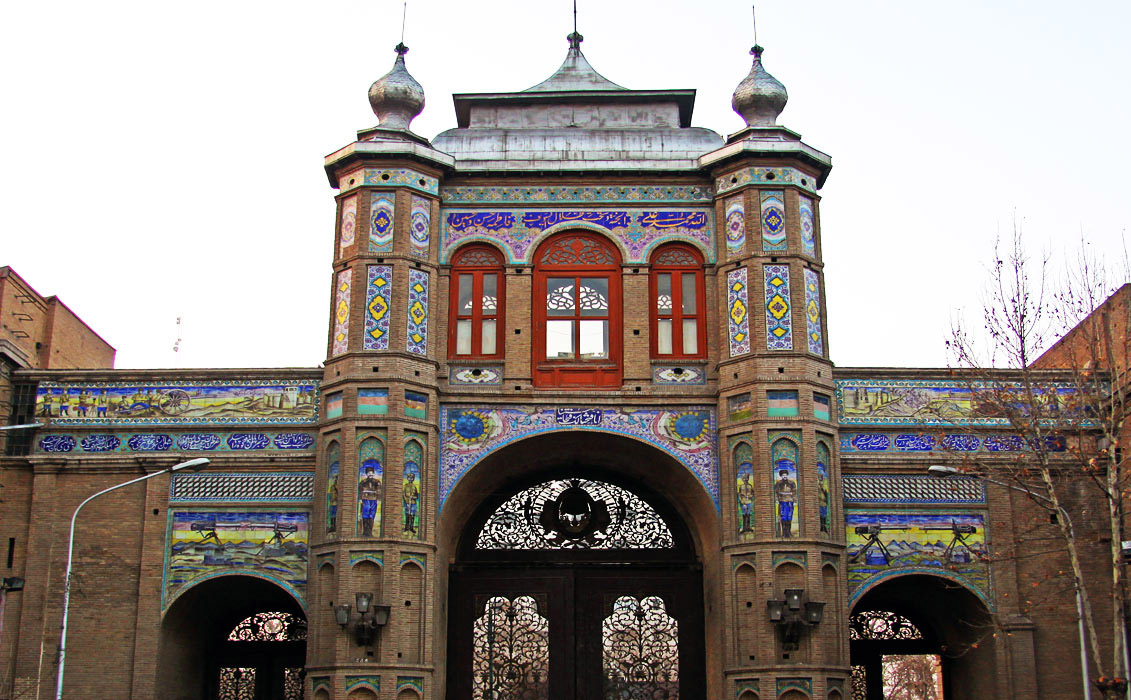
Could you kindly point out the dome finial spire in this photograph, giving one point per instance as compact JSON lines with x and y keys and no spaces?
{"x":574,"y":38}
{"x":760,"y":97}
{"x":396,"y":97}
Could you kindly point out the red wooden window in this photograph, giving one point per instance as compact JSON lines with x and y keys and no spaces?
{"x":476,"y":303}
{"x":678,"y":326}
{"x":577,"y":312}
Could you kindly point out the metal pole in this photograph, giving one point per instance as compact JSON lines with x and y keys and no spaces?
{"x":200,"y":462}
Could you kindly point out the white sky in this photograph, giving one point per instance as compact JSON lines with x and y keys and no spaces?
{"x":165,"y":159}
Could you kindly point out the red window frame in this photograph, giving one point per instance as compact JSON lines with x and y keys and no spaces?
{"x":579,"y":255}
{"x":477,"y":261}
{"x":677,"y":259}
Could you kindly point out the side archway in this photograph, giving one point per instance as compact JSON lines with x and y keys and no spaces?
{"x":234,"y":629}
{"x":943,"y":624}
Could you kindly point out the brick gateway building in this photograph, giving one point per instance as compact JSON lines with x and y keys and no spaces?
{"x":577,"y":435}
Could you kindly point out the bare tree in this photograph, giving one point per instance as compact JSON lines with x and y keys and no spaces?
{"x":1063,"y":417}
{"x":911,"y":677}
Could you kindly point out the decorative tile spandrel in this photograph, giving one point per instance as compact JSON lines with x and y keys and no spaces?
{"x":472,"y":433}
{"x":202,"y":544}
{"x":178,"y":402}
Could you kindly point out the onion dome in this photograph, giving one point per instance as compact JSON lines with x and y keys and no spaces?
{"x":397,"y":98}
{"x":760,"y":97}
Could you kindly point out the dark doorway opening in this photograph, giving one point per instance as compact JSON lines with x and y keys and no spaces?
{"x":575,"y":587}
{"x":923,"y":637}
{"x":233,"y":638}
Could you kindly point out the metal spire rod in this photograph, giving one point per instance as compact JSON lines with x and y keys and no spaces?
{"x":754,"y":13}
{"x":404,"y":15}
{"x":575,"y":16}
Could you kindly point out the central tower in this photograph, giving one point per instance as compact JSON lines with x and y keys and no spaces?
{"x":523,"y":305}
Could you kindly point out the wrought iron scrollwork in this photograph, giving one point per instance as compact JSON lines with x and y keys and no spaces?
{"x":237,"y":684}
{"x":881,"y":624}
{"x":269,"y":627}
{"x":511,"y":651}
{"x":640,"y":651}
{"x":575,"y":514}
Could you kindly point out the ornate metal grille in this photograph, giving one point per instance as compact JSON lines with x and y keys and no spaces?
{"x":511,"y":651}
{"x":676,"y":256}
{"x":640,"y":651}
{"x":575,"y":514}
{"x":269,"y":627}
{"x":881,"y":624}
{"x":577,"y":250}
{"x":292,"y":684}
{"x":237,"y":684}
{"x":480,"y":257}
{"x":859,"y":683}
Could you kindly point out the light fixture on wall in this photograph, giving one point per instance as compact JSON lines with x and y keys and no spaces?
{"x":368,"y":620}
{"x":792,"y":614}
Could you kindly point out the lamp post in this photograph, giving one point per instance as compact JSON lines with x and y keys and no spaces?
{"x":944,"y":472}
{"x":193,"y":464}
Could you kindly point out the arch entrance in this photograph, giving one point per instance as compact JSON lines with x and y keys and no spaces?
{"x":924,"y":637}
{"x":575,"y":581}
{"x":233,"y":638}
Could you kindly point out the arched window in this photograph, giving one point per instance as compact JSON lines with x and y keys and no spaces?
{"x":577,"y":312}
{"x":476,"y":303}
{"x":678,"y":328}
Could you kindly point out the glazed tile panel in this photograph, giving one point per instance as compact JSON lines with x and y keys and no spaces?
{"x":674,"y":194}
{"x":773,"y":221}
{"x":417,"y":341}
{"x":420,"y":225}
{"x":342,"y":313}
{"x":207,"y":543}
{"x":765,"y":176}
{"x":738,"y":316}
{"x":813,"y":312}
{"x":912,"y":489}
{"x":381,"y":222}
{"x":381,"y":177}
{"x":174,"y":442}
{"x":378,"y":292}
{"x":949,"y":442}
{"x":470,"y":434}
{"x":178,"y":402}
{"x":779,"y":329}
{"x":886,"y":541}
{"x":929,"y":402}
{"x":348,"y":224}
{"x":736,"y":227}
{"x":637,"y":231}
{"x":808,"y":228}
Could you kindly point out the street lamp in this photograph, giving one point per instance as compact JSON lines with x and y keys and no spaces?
{"x":192,"y":464}
{"x":945,"y":471}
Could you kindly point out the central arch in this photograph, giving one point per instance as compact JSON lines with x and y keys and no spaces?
{"x":653,"y":584}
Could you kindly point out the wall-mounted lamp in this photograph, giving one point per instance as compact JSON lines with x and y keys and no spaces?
{"x":792,"y":614}
{"x":369,"y":619}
